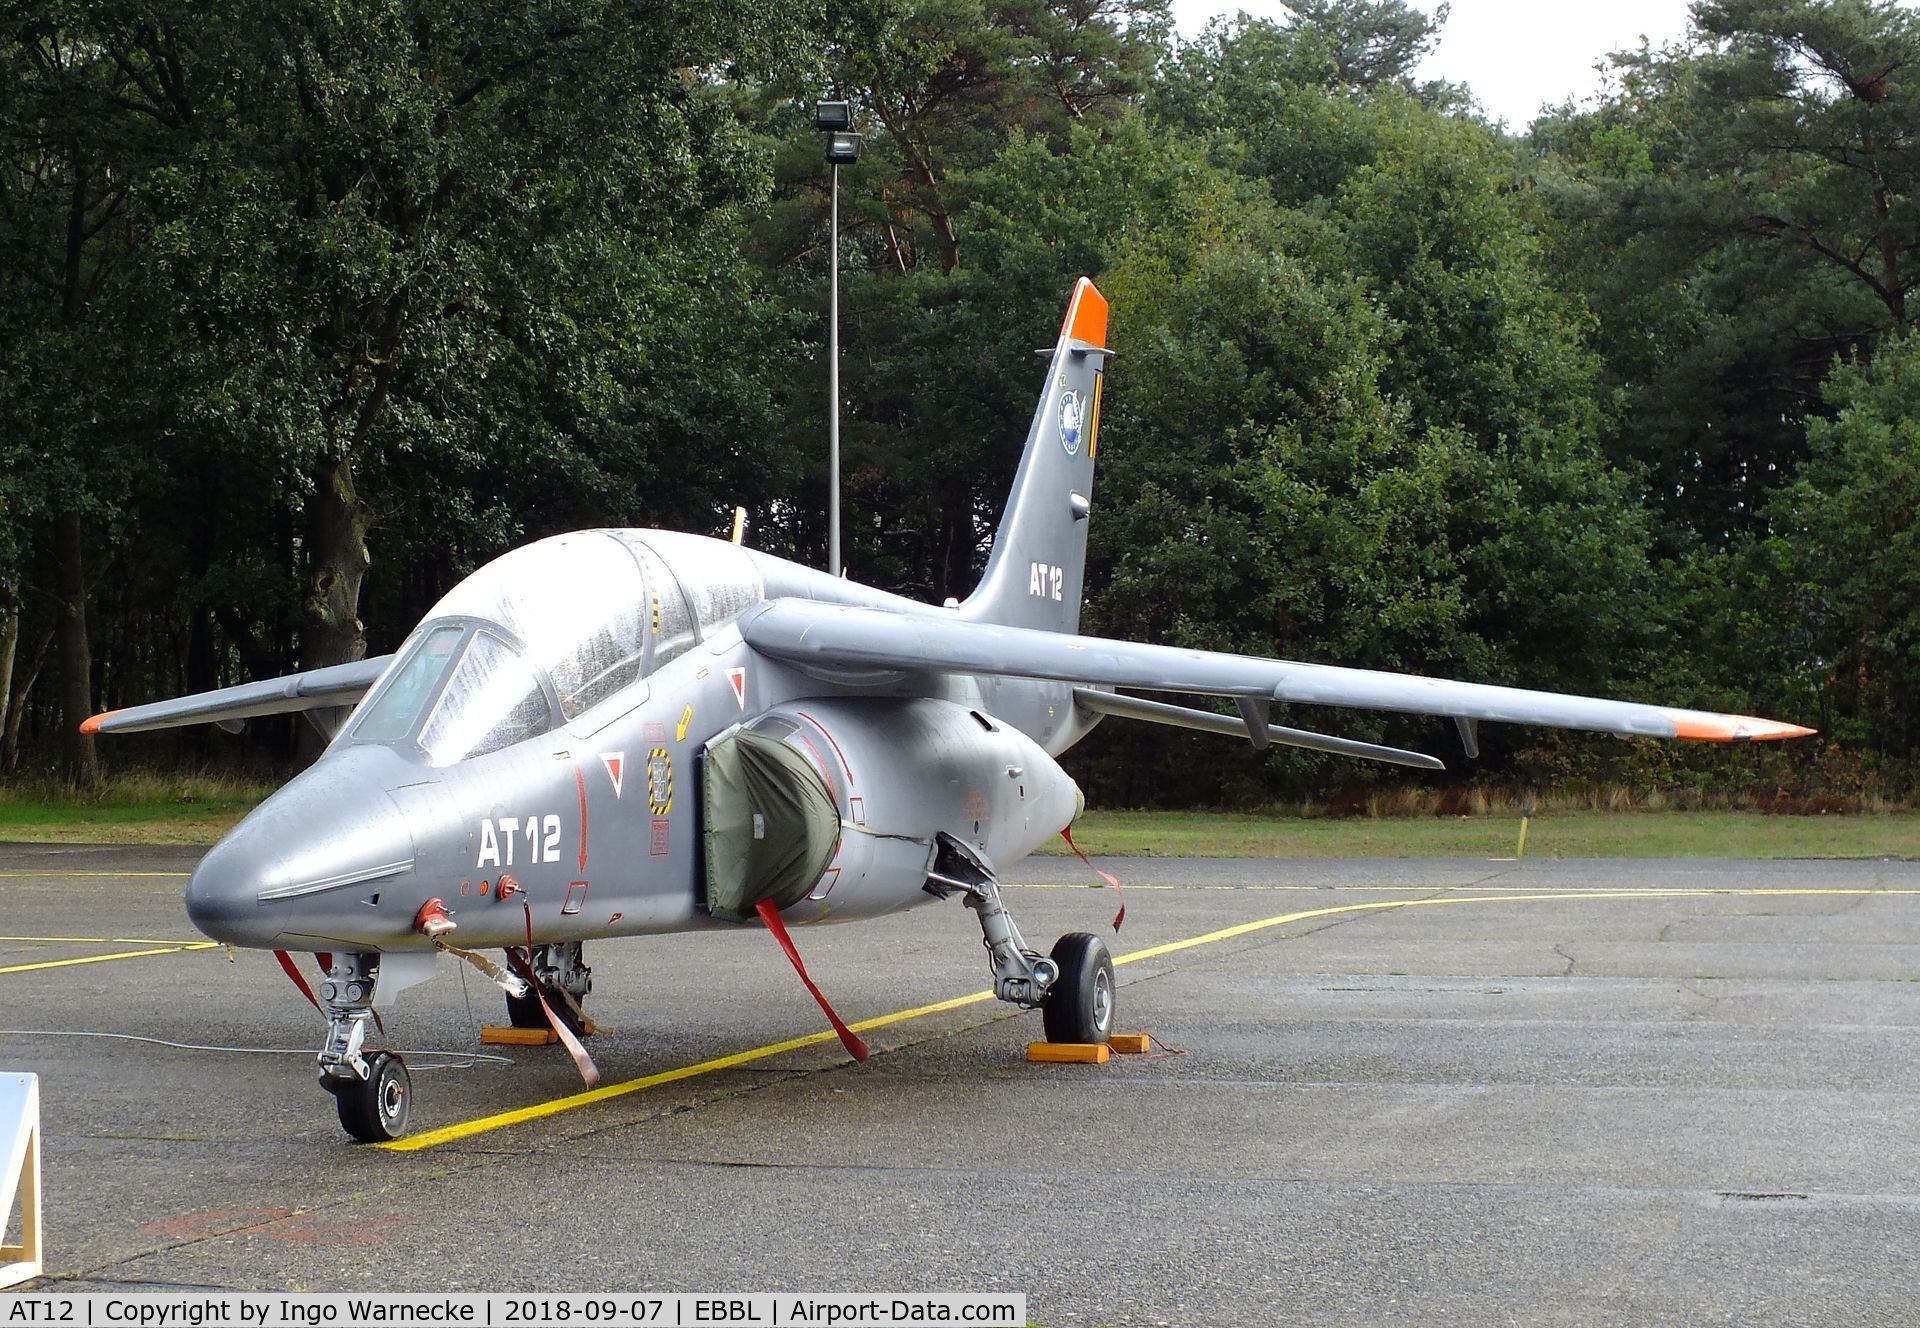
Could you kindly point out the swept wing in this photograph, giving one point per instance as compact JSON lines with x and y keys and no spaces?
{"x":813,"y":634}
{"x":340,"y":685}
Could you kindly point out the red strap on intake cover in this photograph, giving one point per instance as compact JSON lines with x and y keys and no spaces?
{"x":770,"y":915}
{"x":1121,"y":916}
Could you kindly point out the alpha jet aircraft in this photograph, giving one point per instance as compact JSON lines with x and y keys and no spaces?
{"x":629,"y":732}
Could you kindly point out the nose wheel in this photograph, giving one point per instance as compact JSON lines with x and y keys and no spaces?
{"x":374,"y":1110}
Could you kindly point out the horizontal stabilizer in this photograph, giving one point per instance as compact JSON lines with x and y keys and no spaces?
{"x":339,"y":685}
{"x":826,"y":635}
{"x":1205,"y":721}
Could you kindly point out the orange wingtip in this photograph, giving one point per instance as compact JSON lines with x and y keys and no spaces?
{"x":1087,"y":315}
{"x":92,"y":724}
{"x":1702,"y":727}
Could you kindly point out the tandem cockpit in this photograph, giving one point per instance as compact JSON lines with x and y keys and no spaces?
{"x":546,"y":635}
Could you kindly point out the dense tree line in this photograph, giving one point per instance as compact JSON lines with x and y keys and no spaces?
{"x":310,"y":312}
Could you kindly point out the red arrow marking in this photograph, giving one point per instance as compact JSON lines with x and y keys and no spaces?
{"x":580,"y":781}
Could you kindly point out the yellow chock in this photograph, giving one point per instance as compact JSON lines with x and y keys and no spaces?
{"x":500,"y":1035}
{"x":1131,"y":1044}
{"x":1068,"y":1053}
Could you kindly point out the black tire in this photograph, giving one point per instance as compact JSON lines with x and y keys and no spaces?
{"x":1079,"y":1008}
{"x":525,"y":1012}
{"x":375,"y":1111}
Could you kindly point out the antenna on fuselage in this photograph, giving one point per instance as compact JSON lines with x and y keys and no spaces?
{"x":739,"y":525}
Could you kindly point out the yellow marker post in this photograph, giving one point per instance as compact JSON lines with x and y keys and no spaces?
{"x":1526,"y":819}
{"x":739,"y":525}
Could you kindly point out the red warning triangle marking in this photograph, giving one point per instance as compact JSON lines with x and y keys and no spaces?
{"x":738,"y":679}
{"x":615,"y":763}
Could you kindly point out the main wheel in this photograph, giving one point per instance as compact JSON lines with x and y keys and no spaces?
{"x":1079,"y":1008}
{"x":525,"y":1012}
{"x":374,"y":1110}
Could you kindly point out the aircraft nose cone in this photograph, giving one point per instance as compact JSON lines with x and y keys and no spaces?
{"x":294,"y":863}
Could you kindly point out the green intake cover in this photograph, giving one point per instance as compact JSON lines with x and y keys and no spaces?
{"x":771,"y":824}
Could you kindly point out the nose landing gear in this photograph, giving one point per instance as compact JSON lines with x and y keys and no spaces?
{"x":371,"y":1088}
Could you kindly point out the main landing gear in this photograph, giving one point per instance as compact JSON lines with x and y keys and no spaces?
{"x":1073,"y":987}
{"x":372,"y":1089}
{"x":562,"y":970}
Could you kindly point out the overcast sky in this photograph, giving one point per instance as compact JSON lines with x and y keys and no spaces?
{"x":1514,"y":54}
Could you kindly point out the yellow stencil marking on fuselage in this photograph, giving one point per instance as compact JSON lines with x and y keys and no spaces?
{"x":540,"y":1110}
{"x":1093,"y":432}
{"x":686,"y":718}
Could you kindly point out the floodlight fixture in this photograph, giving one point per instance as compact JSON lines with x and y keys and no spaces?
{"x":843,"y":147}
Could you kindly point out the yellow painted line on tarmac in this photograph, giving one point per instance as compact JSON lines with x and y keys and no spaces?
{"x":467,"y":1129}
{"x":102,"y":940}
{"x":1428,"y":888}
{"x":24,"y":876}
{"x":1246,"y":928}
{"x":607,"y":1092}
{"x":109,"y":958}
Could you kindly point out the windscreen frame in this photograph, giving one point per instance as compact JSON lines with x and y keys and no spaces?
{"x":428,"y":706}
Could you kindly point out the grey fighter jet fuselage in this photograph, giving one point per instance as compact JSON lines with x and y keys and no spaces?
{"x":445,"y":786}
{"x":620,"y":732}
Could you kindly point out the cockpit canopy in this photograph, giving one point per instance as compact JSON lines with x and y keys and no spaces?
{"x":542,"y":635}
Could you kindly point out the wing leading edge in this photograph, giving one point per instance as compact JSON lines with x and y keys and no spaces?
{"x":835,"y":636}
{"x":340,"y":685}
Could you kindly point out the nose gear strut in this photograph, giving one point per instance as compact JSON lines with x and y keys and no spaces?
{"x":1074,"y":985}
{"x":371,"y":1088}
{"x":1021,"y":975}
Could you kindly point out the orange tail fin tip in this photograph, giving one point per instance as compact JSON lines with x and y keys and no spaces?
{"x":1087,"y":315}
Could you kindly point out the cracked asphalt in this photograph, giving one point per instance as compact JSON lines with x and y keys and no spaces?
{"x":1454,"y":1092}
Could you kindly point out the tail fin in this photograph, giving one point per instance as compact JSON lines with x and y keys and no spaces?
{"x":1039,"y":557}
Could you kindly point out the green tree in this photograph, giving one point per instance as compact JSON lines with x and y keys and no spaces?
{"x":483,"y":266}
{"x":77,"y":386}
{"x":1834,"y":591}
{"x":947,"y":82}
{"x":1737,"y":217}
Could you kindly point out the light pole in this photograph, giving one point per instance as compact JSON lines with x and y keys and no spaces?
{"x":843,"y":149}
